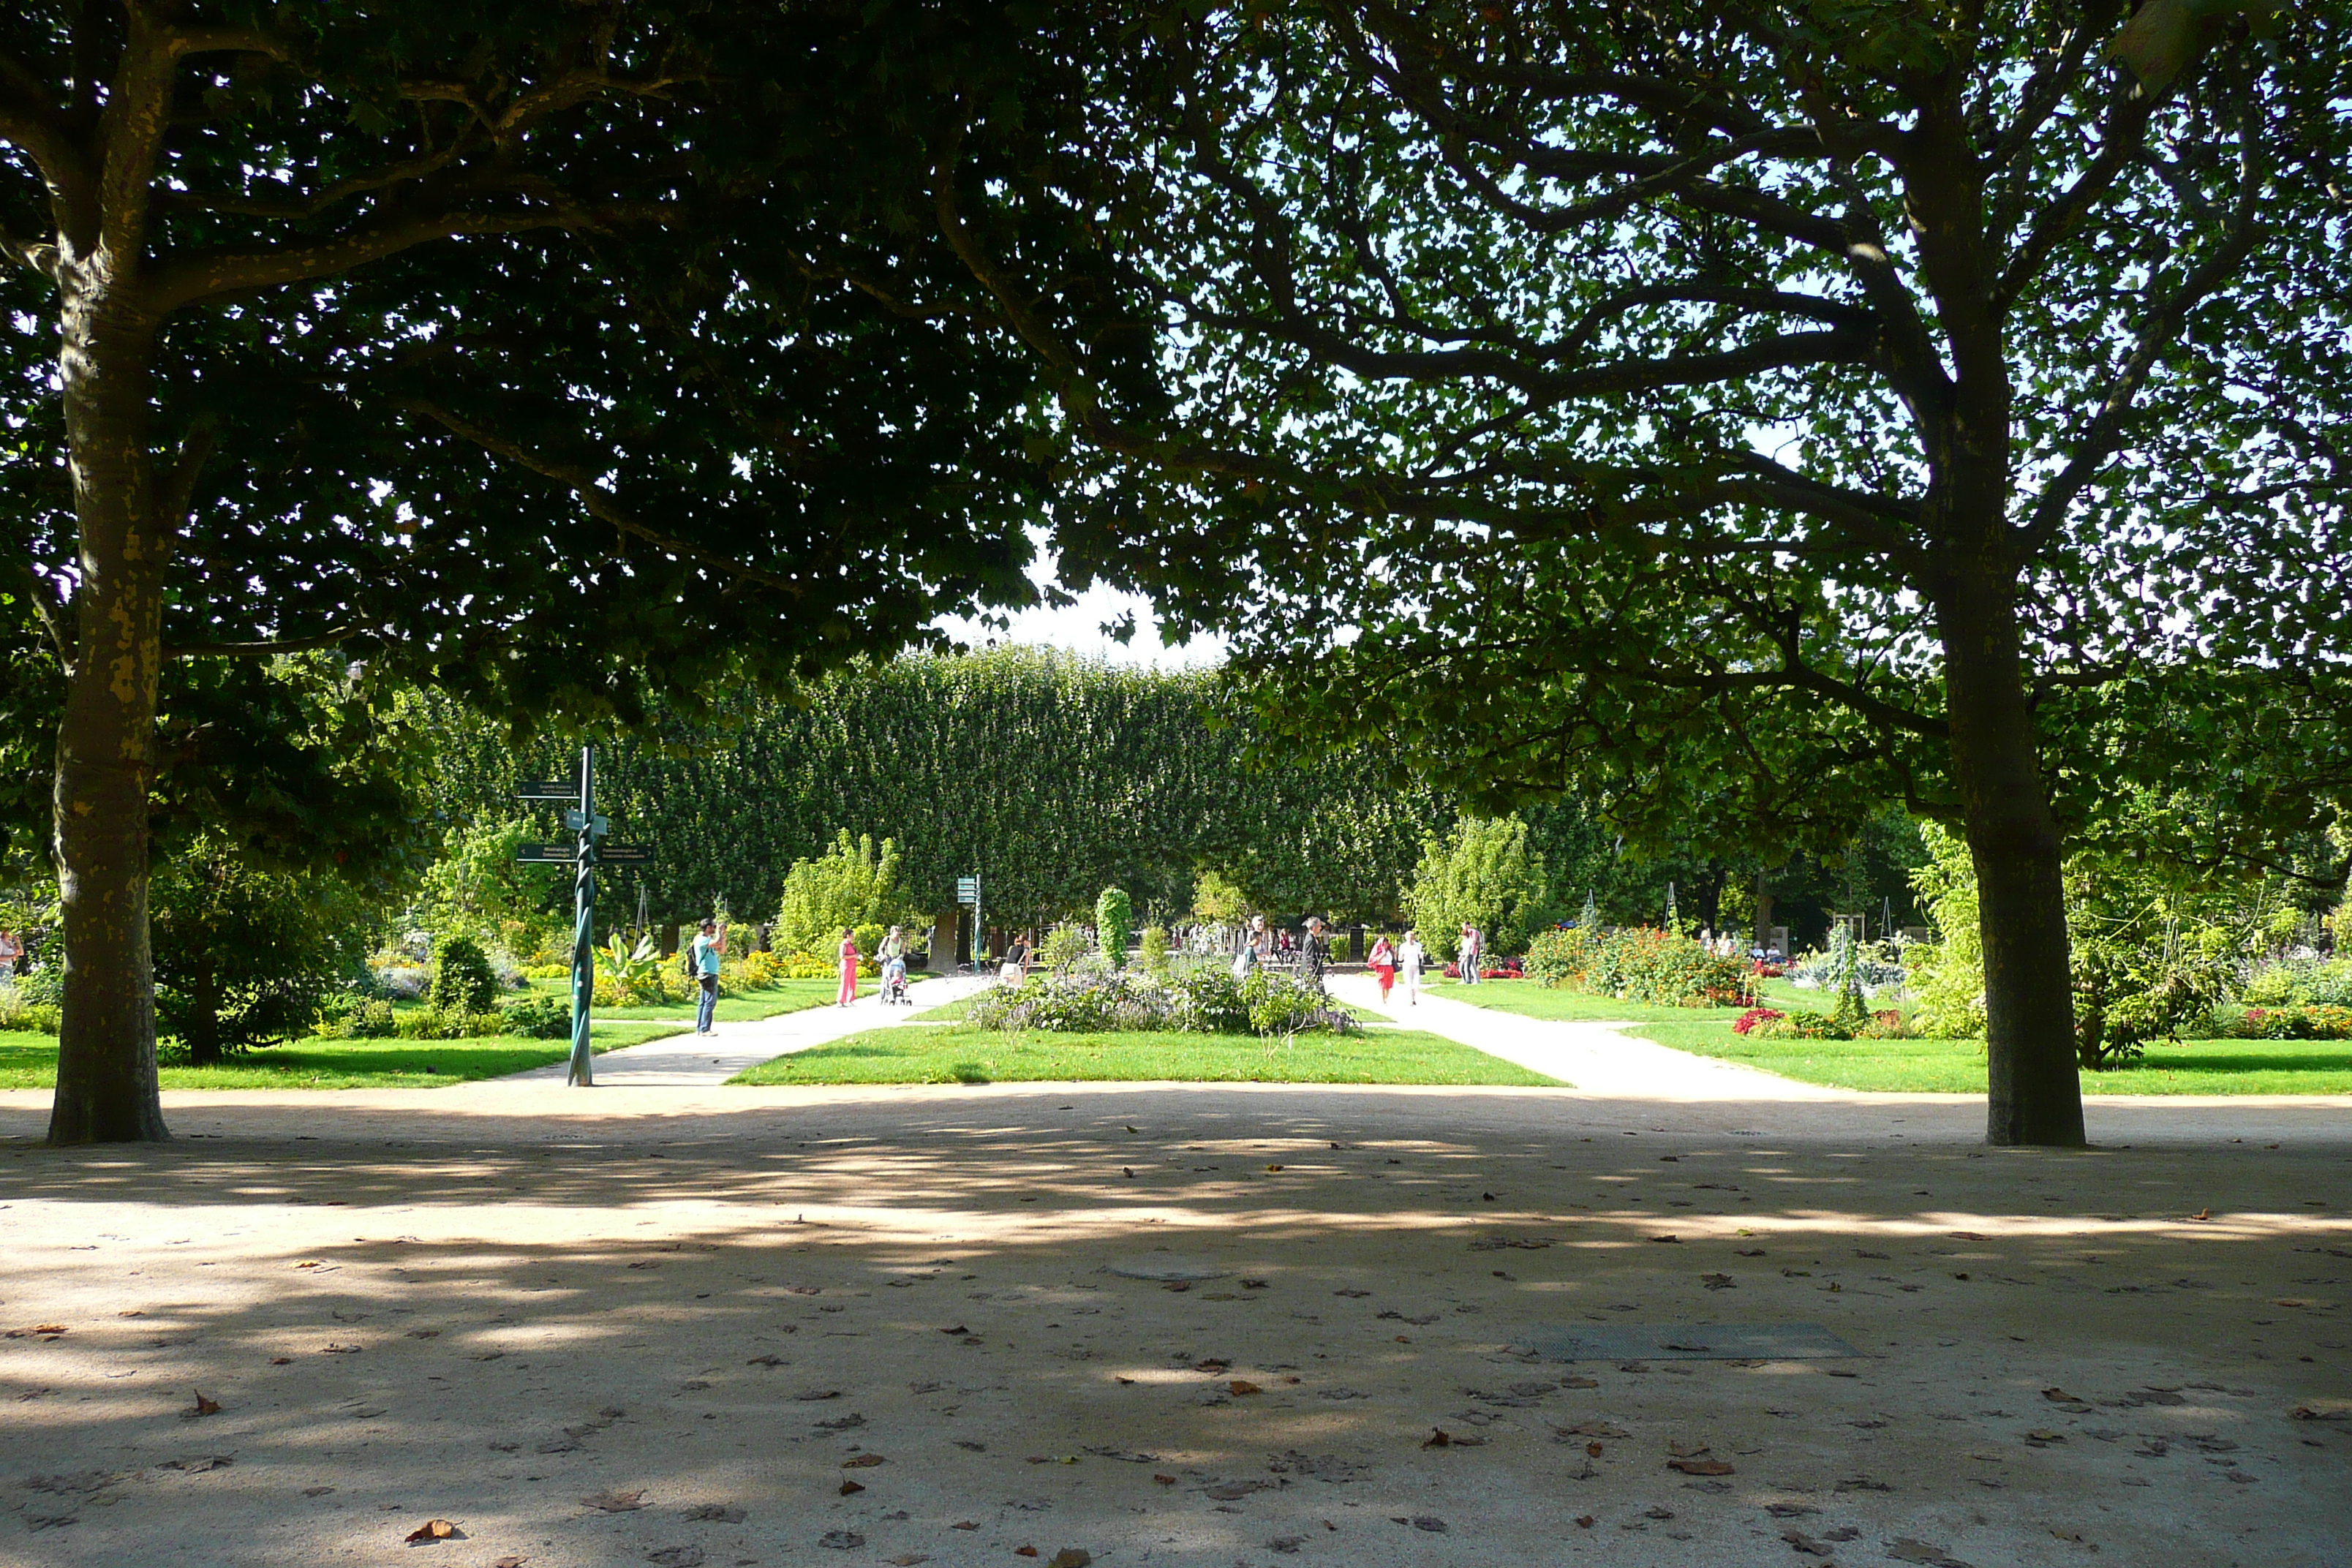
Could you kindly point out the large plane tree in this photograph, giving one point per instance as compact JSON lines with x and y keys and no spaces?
{"x":1759,"y":411}
{"x":502,"y":346}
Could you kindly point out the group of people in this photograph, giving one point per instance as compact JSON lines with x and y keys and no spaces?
{"x":710,"y":948}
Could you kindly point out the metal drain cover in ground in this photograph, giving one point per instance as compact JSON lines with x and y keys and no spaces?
{"x":1166,"y":1271}
{"x":1694,"y":1342}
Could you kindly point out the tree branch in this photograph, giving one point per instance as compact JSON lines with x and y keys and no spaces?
{"x":201,"y":276}
{"x":600,"y":502}
{"x":264,"y":648}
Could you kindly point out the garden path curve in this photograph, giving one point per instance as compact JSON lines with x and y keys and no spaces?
{"x":1595,"y":1058}
{"x":689,"y":1060}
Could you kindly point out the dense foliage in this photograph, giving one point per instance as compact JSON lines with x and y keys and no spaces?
{"x":1745,"y":416}
{"x":1481,"y":874}
{"x":1637,"y":964}
{"x":1051,"y":776}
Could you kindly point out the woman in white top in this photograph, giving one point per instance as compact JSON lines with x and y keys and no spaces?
{"x":1409,"y":959}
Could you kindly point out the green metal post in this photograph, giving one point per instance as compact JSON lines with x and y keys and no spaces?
{"x":583,"y":920}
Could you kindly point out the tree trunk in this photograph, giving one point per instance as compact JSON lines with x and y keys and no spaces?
{"x":2033,"y":1095}
{"x":107,"y":1089}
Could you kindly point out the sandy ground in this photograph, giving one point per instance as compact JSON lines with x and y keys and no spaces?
{"x":673,"y":1325}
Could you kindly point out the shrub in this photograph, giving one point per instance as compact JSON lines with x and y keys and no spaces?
{"x":1063,"y":946}
{"x":448,"y":1024}
{"x":1561,"y":958}
{"x":1756,"y":1018}
{"x":1208,"y":1001}
{"x":800,"y":966}
{"x":1483,"y":874}
{"x":538,"y":1017}
{"x":1205,"y":1000}
{"x":19,"y":1011}
{"x":1801,"y":1025}
{"x":348,"y":1015}
{"x":406,"y":982}
{"x":635,"y":971}
{"x":2320,"y":1021}
{"x":462,"y":979}
{"x":851,"y":884}
{"x":1114,"y":924}
{"x":547,"y":972}
{"x":1151,"y":950}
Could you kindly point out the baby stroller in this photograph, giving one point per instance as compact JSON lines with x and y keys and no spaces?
{"x":894,"y":983}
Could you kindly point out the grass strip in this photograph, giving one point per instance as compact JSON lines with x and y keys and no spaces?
{"x":962,"y":1053}
{"x":1934,"y":1067}
{"x":30,"y":1061}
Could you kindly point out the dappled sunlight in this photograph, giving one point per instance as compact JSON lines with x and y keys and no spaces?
{"x":892,"y":1320}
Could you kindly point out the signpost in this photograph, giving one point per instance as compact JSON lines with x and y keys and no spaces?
{"x":585,"y":853}
{"x":968,"y":895}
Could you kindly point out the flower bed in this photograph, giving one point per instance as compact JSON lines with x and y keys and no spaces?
{"x":1640,"y":964}
{"x":1205,"y":999}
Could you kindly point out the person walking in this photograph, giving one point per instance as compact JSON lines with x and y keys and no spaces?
{"x":848,"y":968}
{"x":1314,"y":953}
{"x":1471,"y":953}
{"x":1382,"y":962}
{"x":1252,"y":948}
{"x":892,"y":956}
{"x":1409,"y":958}
{"x":709,"y":946}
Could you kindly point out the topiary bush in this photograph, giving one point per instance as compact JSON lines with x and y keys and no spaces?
{"x":1114,"y":924}
{"x":1151,"y":950}
{"x":463,"y":980}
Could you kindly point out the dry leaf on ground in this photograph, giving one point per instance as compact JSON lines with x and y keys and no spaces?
{"x":863,"y":1461}
{"x":434,"y":1530}
{"x":676,"y":1557}
{"x":204,"y":1406}
{"x":1904,"y":1549}
{"x":1699,"y":1467}
{"x":1070,"y":1557}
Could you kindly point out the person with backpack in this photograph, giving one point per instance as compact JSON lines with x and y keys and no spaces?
{"x":709,"y":946}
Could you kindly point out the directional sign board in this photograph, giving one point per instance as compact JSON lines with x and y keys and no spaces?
{"x":625,"y":854}
{"x":545,"y":853}
{"x":967,"y":889}
{"x":546,"y":789}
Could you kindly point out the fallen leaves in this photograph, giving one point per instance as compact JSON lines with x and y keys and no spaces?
{"x":46,"y":1331}
{"x":847,"y":1541}
{"x":688,"y":1557}
{"x":1904,"y":1549}
{"x":434,"y":1530}
{"x":1439,"y":1437}
{"x":1242,"y":1385}
{"x":1718,"y":1282}
{"x":863,"y":1461}
{"x":615,"y":1501}
{"x":851,"y":1488}
{"x":1070,"y":1557}
{"x":1700,"y":1466}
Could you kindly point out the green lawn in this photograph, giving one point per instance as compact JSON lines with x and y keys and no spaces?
{"x":30,"y":1061}
{"x":784,"y":996}
{"x":962,"y":1053}
{"x":1934,"y":1067}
